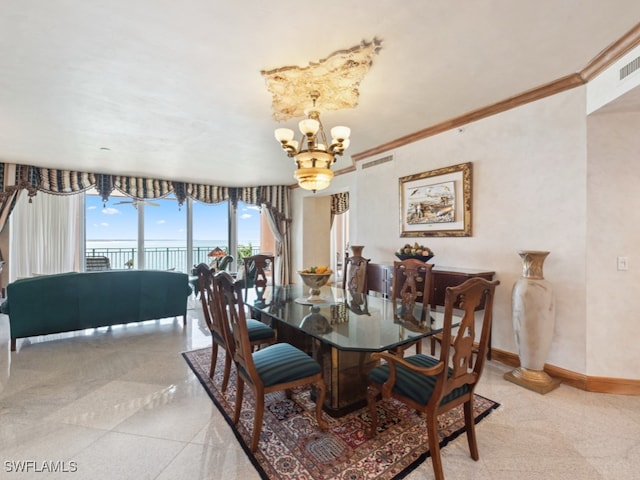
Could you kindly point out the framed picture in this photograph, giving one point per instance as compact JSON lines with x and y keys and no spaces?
{"x":436,"y":203}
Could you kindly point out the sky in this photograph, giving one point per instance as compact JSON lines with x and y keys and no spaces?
{"x":118,"y":221}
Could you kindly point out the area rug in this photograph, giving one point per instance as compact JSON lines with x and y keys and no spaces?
{"x":292,"y":447}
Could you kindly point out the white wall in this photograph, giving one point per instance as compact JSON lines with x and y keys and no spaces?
{"x":529,"y":192}
{"x":613,"y":230}
{"x":311,"y":231}
{"x":547,"y":178}
{"x":311,"y":225}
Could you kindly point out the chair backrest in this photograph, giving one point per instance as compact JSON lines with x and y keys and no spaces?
{"x":93,"y":264}
{"x":231,"y":313}
{"x":224,"y":262}
{"x":255,"y":270}
{"x":458,"y":350}
{"x":354,"y":278}
{"x":411,"y":284}
{"x":205,"y":287}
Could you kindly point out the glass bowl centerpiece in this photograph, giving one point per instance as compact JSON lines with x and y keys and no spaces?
{"x":315,"y":278}
{"x":416,"y":250}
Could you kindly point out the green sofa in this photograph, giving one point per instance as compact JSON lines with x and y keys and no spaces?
{"x":74,"y":301}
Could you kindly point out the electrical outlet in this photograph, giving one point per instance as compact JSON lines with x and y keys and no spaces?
{"x":623,"y":263}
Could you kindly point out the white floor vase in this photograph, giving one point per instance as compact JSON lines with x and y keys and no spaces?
{"x":533,"y":307}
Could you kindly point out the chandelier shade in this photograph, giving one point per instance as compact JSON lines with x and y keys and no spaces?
{"x":312,"y":156}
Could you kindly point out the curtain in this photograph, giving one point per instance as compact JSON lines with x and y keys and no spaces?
{"x":276,"y":198}
{"x":43,"y":236}
{"x":277,"y":203}
{"x":339,"y":204}
{"x":14,"y":178}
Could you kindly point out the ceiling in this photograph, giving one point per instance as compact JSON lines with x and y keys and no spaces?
{"x":173,"y":90}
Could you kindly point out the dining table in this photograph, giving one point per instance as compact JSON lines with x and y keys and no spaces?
{"x":341,"y":330}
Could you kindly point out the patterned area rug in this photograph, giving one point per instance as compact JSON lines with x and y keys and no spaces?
{"x":292,"y":447}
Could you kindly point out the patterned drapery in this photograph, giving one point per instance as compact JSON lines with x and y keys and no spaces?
{"x":14,"y":179}
{"x":62,"y":182}
{"x":276,"y":198}
{"x":339,"y":204}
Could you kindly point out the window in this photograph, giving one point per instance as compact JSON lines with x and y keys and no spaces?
{"x":248,"y":226}
{"x":170,"y":237}
{"x":111,"y":230}
{"x":210,"y":229}
{"x":165,"y":234}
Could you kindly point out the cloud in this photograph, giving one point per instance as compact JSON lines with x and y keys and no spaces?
{"x":245,"y":216}
{"x":160,"y":222}
{"x":104,"y":224}
{"x":110,"y":211}
{"x":254,"y":207}
{"x":92,"y":207}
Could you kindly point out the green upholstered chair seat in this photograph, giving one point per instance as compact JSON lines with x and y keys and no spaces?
{"x":258,"y":330}
{"x":283,"y":363}
{"x":413,"y":385}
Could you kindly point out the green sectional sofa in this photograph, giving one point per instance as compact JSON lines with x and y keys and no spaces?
{"x":74,"y":301}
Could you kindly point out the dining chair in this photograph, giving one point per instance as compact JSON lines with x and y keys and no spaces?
{"x":255,"y":270}
{"x":274,"y":368}
{"x":354,"y":277}
{"x":432,"y":385}
{"x":224,"y":263}
{"x":259,"y":333}
{"x":411,"y":284}
{"x":255,"y":276}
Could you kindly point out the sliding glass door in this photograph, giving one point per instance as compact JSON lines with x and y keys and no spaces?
{"x":210,"y":230}
{"x":164,"y":235}
{"x":111,"y":230}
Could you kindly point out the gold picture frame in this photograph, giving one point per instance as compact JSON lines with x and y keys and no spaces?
{"x":437,"y":203}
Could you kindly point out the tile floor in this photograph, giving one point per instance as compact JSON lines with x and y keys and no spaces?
{"x":121,"y":403}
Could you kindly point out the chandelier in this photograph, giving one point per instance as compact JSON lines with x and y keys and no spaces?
{"x":312,"y":155}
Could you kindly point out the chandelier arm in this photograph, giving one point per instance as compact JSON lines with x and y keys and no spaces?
{"x":291,"y":151}
{"x":336,"y":148}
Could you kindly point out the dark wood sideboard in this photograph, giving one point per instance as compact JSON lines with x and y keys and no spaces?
{"x":380,"y":279}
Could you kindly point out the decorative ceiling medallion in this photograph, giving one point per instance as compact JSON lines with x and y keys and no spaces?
{"x":336,"y":79}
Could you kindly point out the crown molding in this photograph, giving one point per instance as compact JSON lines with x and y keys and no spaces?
{"x":552,"y":88}
{"x":613,"y":52}
{"x":603,"y":60}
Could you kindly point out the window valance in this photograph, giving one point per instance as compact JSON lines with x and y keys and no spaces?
{"x":14,"y":178}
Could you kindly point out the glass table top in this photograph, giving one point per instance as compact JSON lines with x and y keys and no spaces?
{"x":347,"y":321}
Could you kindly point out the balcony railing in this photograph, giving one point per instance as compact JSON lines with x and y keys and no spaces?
{"x":156,"y":258}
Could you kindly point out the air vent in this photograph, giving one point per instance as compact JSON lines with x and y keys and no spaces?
{"x":629,"y":68}
{"x":379,"y":161}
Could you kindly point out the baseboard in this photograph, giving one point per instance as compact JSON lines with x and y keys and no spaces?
{"x":621,"y":386}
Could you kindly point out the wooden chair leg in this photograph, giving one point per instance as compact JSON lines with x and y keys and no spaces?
{"x":239,"y":395}
{"x":214,"y":358}
{"x":470,"y":428}
{"x":372,"y":399}
{"x":434,"y":444}
{"x":227,"y":371}
{"x":419,"y":346}
{"x":257,"y":421}
{"x":321,"y":391}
